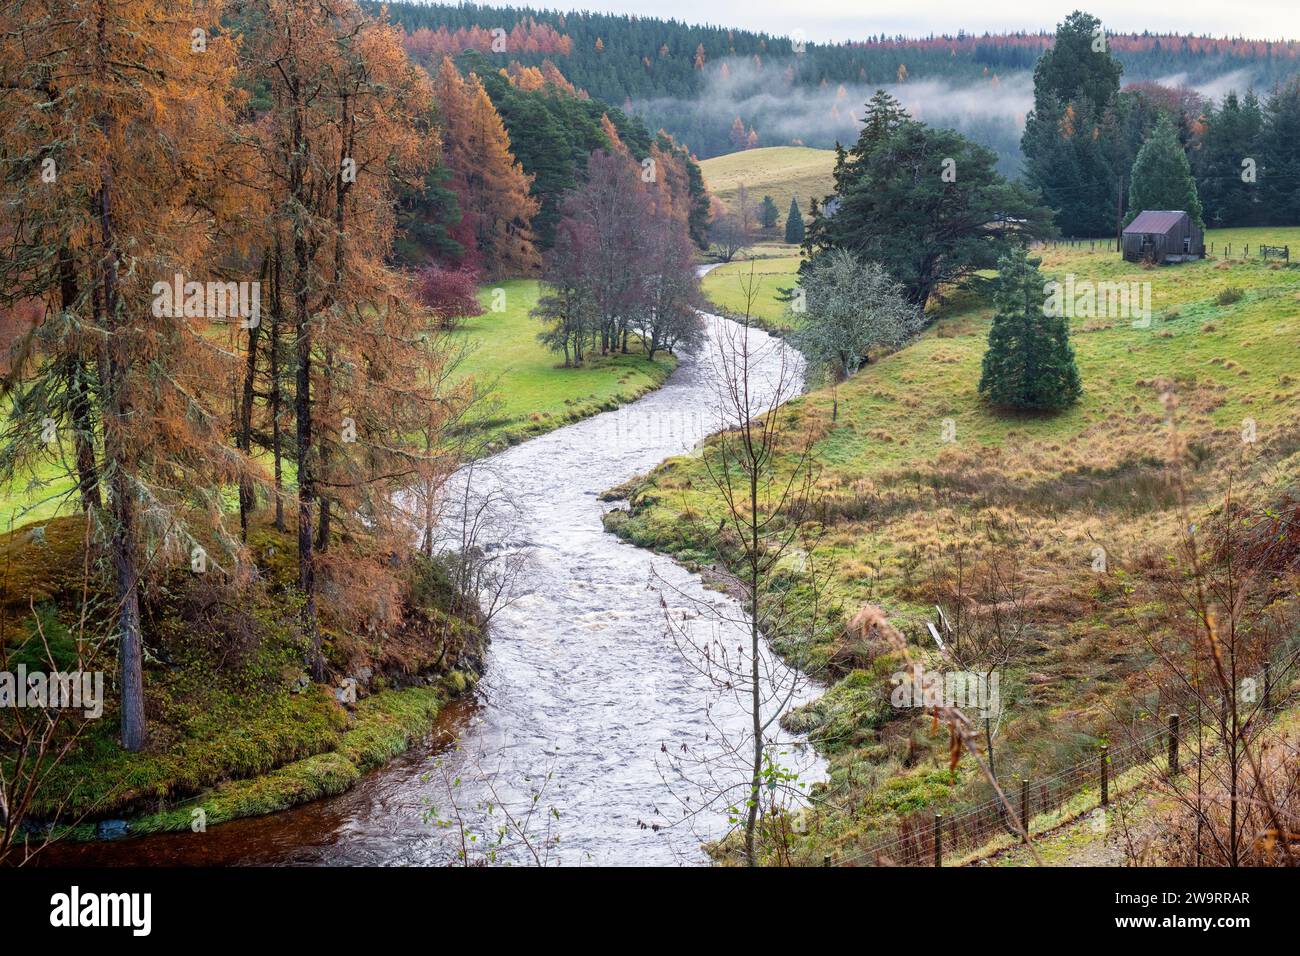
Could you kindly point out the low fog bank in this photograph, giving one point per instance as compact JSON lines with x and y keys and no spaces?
{"x":781,"y":112}
{"x":784,"y":109}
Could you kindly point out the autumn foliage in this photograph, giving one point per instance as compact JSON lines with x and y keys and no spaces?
{"x":127,"y":186}
{"x":495,"y":203}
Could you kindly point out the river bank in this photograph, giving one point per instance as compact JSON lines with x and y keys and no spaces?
{"x":531,"y":391}
{"x":302,"y":742}
{"x":236,"y":726}
{"x":1048,"y":533}
{"x":583,"y":693}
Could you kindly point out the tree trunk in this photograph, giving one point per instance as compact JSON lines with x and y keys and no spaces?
{"x":340,"y":201}
{"x":426,"y":545}
{"x":302,"y":256}
{"x":323,"y":456}
{"x":83,"y":426}
{"x":116,"y":457}
{"x":83,"y":430}
{"x":130,"y":652}
{"x":306,"y":482}
{"x":247,"y":493}
{"x":756,"y":779}
{"x":276,"y":395}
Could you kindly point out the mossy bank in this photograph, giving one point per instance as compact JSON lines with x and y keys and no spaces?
{"x":236,"y":727}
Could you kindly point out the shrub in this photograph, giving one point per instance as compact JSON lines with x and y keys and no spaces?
{"x":450,"y":294}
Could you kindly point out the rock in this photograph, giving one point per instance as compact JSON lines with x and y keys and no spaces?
{"x":301,"y":684}
{"x":347,"y":692}
{"x":111,"y":829}
{"x":359,"y":682}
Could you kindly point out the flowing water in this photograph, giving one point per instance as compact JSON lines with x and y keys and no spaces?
{"x":594,"y":699}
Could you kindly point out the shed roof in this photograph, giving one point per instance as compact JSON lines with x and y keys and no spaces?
{"x":1156,"y":220}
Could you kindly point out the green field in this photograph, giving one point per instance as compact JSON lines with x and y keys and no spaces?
{"x":531,"y":390}
{"x":753,"y":286}
{"x":776,"y":171}
{"x":899,"y":502}
{"x":47,"y":492}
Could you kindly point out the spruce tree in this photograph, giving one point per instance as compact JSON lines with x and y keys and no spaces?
{"x":794,"y":224}
{"x":1029,"y":365}
{"x":768,"y":213}
{"x":1280,"y":180}
{"x":1162,"y":177}
{"x":1072,"y":152}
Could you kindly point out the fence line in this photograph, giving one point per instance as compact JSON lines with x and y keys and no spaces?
{"x":1208,"y":251}
{"x":922,"y":839}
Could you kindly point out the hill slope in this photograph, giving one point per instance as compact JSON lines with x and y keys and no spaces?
{"x":902,"y":505}
{"x":777,"y":171}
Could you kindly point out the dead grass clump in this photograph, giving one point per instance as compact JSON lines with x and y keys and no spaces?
{"x":1267,"y":831}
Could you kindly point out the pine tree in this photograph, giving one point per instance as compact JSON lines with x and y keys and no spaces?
{"x":794,"y":223}
{"x":892,"y":204}
{"x":768,"y":213}
{"x":1232,"y":133}
{"x":1162,"y":177}
{"x":1029,"y":364}
{"x":1281,"y":160}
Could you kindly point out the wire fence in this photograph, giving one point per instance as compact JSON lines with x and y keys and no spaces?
{"x":1214,"y":249}
{"x":926,"y":838}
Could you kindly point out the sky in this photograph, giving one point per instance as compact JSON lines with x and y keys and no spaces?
{"x":828,"y":20}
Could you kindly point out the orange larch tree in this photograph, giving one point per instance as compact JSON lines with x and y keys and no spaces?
{"x":492,"y":186}
{"x":130,"y":103}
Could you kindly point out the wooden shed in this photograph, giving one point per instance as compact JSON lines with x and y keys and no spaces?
{"x":1163,"y":235}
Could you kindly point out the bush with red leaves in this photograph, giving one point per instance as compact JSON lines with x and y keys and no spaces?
{"x":450,"y":294}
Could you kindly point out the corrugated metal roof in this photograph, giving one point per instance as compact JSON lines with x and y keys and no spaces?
{"x":1155,"y":220}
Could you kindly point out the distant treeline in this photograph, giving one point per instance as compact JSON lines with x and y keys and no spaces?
{"x":684,"y":77}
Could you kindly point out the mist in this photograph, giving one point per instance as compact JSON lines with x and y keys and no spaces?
{"x":1236,"y":81}
{"x":784,"y":111}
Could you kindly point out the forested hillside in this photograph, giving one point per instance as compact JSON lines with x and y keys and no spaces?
{"x":696,"y":81}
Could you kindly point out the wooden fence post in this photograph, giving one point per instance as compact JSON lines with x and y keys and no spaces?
{"x":938,"y":839}
{"x":1024,"y":806}
{"x":988,"y":745}
{"x":1105,"y":782}
{"x":1173,"y":744}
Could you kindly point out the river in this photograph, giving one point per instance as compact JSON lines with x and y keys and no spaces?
{"x":588,"y":702}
